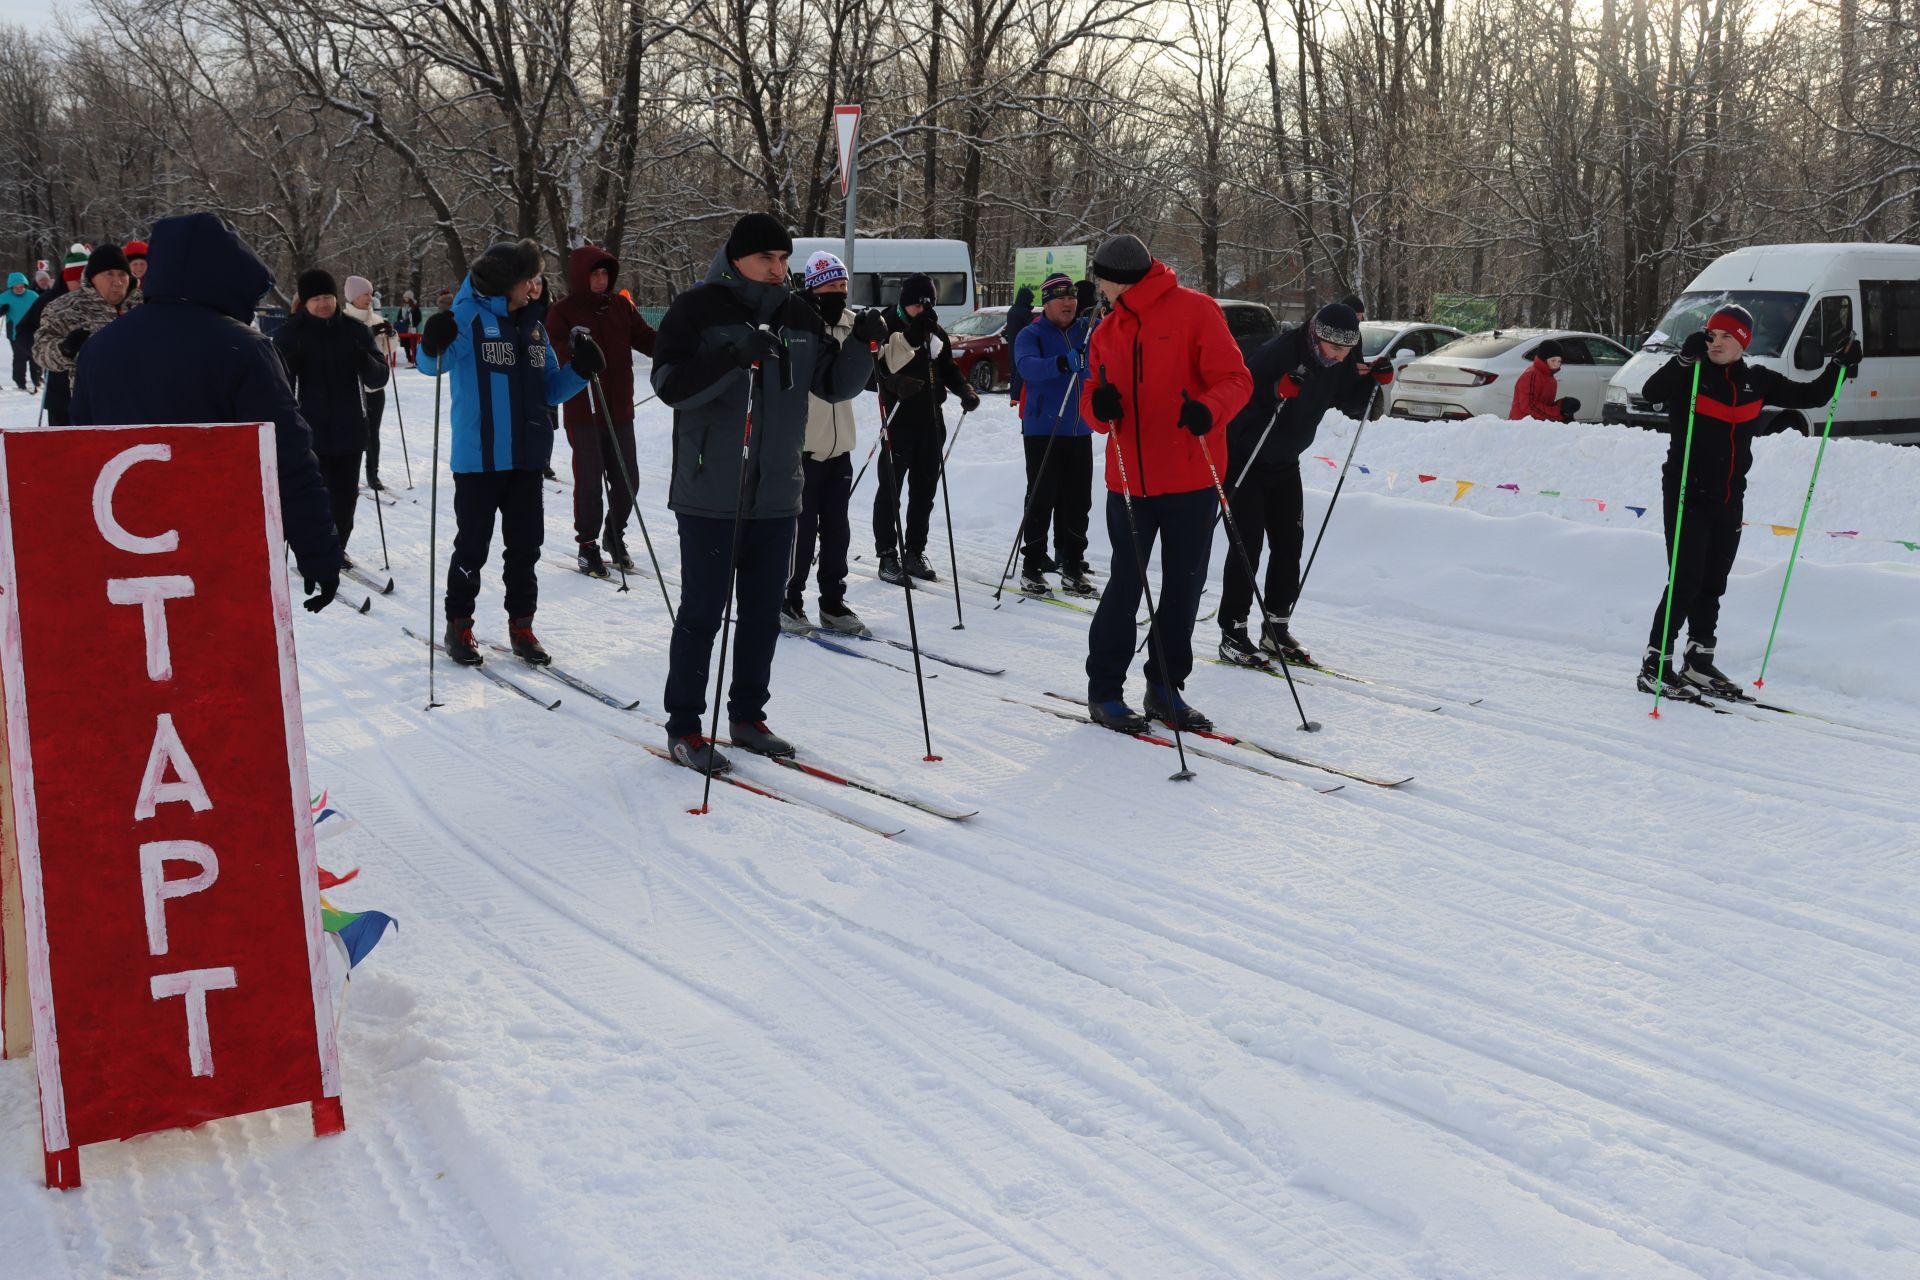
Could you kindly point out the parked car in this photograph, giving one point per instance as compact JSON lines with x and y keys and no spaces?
{"x":1250,"y":323}
{"x":982,"y":349}
{"x":879,"y":266}
{"x":1476,"y":374}
{"x":1806,"y":300}
{"x":1405,"y":340}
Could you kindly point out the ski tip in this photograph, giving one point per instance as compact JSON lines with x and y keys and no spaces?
{"x":631,"y":705}
{"x":366,"y":606}
{"x":388,"y":589}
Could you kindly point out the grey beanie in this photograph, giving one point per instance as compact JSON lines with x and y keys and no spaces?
{"x":1123,"y":260}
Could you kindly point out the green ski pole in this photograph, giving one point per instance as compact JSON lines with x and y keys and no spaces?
{"x":1673,"y":561}
{"x":1761,"y":680}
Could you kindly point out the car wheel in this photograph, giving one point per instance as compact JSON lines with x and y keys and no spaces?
{"x":981,"y":376}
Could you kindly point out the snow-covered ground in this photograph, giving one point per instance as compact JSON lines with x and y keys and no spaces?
{"x":1594,"y":995}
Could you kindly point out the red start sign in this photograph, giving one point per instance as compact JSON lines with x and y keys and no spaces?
{"x":165,"y":899}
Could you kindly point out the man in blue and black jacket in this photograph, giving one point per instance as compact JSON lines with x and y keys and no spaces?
{"x":504,"y":375}
{"x":1050,"y":356}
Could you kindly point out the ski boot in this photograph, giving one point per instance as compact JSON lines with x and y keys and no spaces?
{"x":1278,"y":642}
{"x":459,"y":642}
{"x":590,"y":563}
{"x":525,"y":646}
{"x":754,"y":736}
{"x":917,"y":567}
{"x":617,"y":553}
{"x":1073,"y":581}
{"x":890,"y":570}
{"x":1118,"y":716}
{"x":1031,"y":582}
{"x":837,"y":617}
{"x":1653,"y":680}
{"x":1165,"y":705}
{"x":793,"y":617}
{"x":1697,"y":668}
{"x":373,"y":483}
{"x":1237,"y":648}
{"x":696,"y":751}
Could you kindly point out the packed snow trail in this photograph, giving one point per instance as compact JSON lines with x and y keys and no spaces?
{"x":1593,"y":995}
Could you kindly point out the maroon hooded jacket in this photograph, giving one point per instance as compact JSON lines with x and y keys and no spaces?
{"x":616,"y":325}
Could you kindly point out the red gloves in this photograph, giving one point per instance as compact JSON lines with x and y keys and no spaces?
{"x":1287,"y":388}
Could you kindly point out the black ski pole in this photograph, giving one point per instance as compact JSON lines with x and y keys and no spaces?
{"x":890,"y":476}
{"x":1253,"y":581}
{"x":626,"y":478}
{"x":381,"y":520}
{"x":1337,"y":484}
{"x":1119,"y":453}
{"x":953,"y":553}
{"x":399,"y":415}
{"x":726,"y":599}
{"x":433,"y":537}
{"x":605,"y":417}
{"x":871,"y":450}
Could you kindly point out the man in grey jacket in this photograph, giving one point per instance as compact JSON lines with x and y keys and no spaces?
{"x":737,"y":359}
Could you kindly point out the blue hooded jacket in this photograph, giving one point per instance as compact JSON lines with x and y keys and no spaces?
{"x":504,"y":374}
{"x":15,"y":306}
{"x":189,"y":354}
{"x":1036,"y":354}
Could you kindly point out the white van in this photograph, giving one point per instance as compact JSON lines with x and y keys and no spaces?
{"x":1806,"y":301}
{"x":880,"y":265}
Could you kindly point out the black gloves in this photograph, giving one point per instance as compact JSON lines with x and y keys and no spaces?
{"x":1106,"y":403}
{"x":1694,"y":349}
{"x":906,"y":386}
{"x":1568,"y":407}
{"x":1849,"y":358}
{"x":588,"y":359}
{"x":1195,"y":416}
{"x":438,"y":333}
{"x":1063,"y":364}
{"x":71,"y":344}
{"x":382,"y":329}
{"x":757,"y":346}
{"x":326,"y":584}
{"x":870,"y":327}
{"x":969,"y":399}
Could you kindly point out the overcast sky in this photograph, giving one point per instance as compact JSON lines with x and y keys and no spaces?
{"x":35,"y":15}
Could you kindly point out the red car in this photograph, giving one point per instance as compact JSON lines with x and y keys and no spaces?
{"x":984,"y":354}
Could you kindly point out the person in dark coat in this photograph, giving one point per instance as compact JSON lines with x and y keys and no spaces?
{"x":917,"y":371}
{"x":1019,"y":317}
{"x":330,"y":356}
{"x":1297,"y":377}
{"x":190,"y":354}
{"x":599,"y":490}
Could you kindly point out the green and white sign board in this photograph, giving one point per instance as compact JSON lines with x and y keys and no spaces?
{"x":1031,"y":266}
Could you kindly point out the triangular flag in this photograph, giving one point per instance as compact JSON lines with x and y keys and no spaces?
{"x":1363,"y":469}
{"x":1512,"y":488}
{"x":1424,"y":479}
{"x":1911,"y":546}
{"x":328,"y":880}
{"x":1843,"y":533}
{"x":1321,"y":457}
{"x":1549,"y":493}
{"x":1783,"y":530}
{"x":1460,"y":488}
{"x":1638,"y":511}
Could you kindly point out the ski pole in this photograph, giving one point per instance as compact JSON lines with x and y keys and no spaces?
{"x":579,"y":490}
{"x":953,"y":553}
{"x":726,"y":599}
{"x":1673,"y":561}
{"x":626,"y":478}
{"x":381,"y":520}
{"x":871,"y":450}
{"x":401,"y":417}
{"x":1357,"y":429}
{"x":890,"y":476}
{"x":433,"y":536}
{"x":1246,"y":563}
{"x":1119,"y":453}
{"x":1761,"y":681}
{"x":954,"y":439}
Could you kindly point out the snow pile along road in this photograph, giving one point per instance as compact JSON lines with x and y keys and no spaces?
{"x":1593,"y":995}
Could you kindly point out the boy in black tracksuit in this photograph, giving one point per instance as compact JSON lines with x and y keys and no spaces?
{"x":1298,"y":375}
{"x":1726,"y":418}
{"x":916,"y":372}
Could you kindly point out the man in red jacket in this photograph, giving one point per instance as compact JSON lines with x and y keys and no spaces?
{"x":592,"y":303}
{"x":1537,"y":393}
{"x":1163,"y":372}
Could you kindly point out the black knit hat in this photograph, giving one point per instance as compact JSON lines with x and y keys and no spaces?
{"x":757,"y":233}
{"x":1353,"y":300}
{"x":917,"y":290}
{"x":315,"y":283}
{"x":1337,"y":324}
{"x":1548,"y":350}
{"x":1122,"y":260}
{"x":108,"y":257}
{"x":504,"y":265}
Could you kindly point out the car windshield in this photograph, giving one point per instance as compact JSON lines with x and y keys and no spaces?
{"x":977,"y":324}
{"x":1774,"y":315}
{"x":1374,"y":338}
{"x":1484,"y":346}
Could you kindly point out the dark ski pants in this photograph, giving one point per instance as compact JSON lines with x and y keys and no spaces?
{"x":519,"y":500}
{"x":22,"y":353}
{"x":1184,"y":522}
{"x":823,"y":514}
{"x":1061,"y":496}
{"x":376,"y":402}
{"x":59,"y":397}
{"x":1709,"y":540}
{"x":916,"y":456}
{"x":601,"y":502}
{"x":1268,"y":509}
{"x":340,"y":472}
{"x":766,"y":549}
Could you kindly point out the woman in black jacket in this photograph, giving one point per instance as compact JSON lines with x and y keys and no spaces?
{"x":329,"y":357}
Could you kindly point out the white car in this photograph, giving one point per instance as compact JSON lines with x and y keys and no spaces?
{"x":1404,"y":340}
{"x":1476,"y":374}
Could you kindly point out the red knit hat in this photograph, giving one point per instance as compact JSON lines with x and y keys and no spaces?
{"x":1735,"y":320}
{"x":135,"y":249}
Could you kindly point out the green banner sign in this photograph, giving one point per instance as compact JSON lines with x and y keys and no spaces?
{"x":1031,"y":266}
{"x":1465,"y":312}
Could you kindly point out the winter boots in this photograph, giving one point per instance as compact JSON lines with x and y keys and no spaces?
{"x":696,"y":751}
{"x":918,"y":567}
{"x":525,"y":646}
{"x":1277,"y":641}
{"x":617,"y":553}
{"x":459,"y":642}
{"x":1238,"y":648}
{"x":1698,"y":669}
{"x":1654,"y":680}
{"x":793,"y":617}
{"x":590,"y":562}
{"x":1032,"y":582}
{"x":1118,"y":716}
{"x":1168,"y":707}
{"x":837,"y":617}
{"x":890,"y":570}
{"x":1073,"y":581}
{"x":754,"y":736}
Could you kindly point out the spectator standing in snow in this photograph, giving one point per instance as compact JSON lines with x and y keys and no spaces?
{"x":740,"y":344}
{"x":917,"y":371}
{"x":409,"y":323}
{"x":29,"y":329}
{"x":1297,"y":376}
{"x":360,"y":307}
{"x":331,"y":359}
{"x":1050,"y":356}
{"x":190,"y":355}
{"x":1019,"y":318}
{"x":69,"y":321}
{"x":1726,"y":418}
{"x":602,"y":497}
{"x":1537,"y":393}
{"x":136,"y":251}
{"x":15,"y":303}
{"x":1163,"y":370}
{"x":502,"y":376}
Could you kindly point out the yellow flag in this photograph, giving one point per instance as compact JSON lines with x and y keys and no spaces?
{"x":1784,"y":530}
{"x":1460,"y":488}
